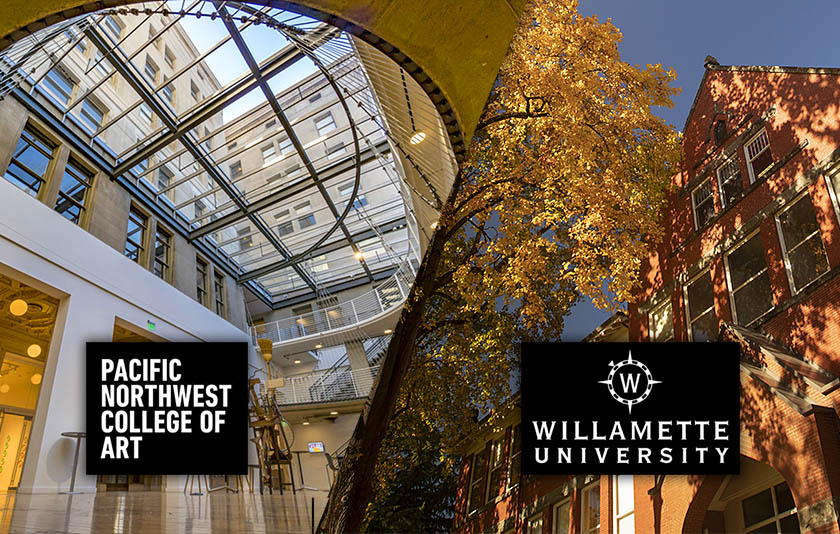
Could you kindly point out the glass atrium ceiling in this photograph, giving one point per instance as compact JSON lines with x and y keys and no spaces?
{"x":253,"y":129}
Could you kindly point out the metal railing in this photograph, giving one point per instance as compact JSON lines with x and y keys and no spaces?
{"x":373,"y":352}
{"x":346,"y":384}
{"x":391,"y":293}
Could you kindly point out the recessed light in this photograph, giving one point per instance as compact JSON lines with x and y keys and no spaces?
{"x":36,"y":378}
{"x":18,"y":307}
{"x":4,"y":388}
{"x":389,"y":331}
{"x":333,"y":413}
{"x":319,"y":346}
{"x":34,"y":350}
{"x":297,"y":361}
{"x":417,"y":138}
{"x":305,"y":423}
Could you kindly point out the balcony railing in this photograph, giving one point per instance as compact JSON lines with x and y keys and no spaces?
{"x":386,"y":296}
{"x":307,"y":388}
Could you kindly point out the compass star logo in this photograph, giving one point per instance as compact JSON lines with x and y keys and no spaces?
{"x":629,"y":382}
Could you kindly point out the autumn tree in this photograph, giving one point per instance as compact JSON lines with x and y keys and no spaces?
{"x":559,"y":199}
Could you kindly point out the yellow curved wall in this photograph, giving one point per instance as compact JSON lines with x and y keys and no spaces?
{"x":459,"y":44}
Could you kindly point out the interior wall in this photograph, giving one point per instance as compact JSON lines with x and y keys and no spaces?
{"x":333,"y":434}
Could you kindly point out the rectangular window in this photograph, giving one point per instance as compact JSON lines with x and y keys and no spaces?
{"x":194,"y":91}
{"x":534,"y":525}
{"x":163,"y":253}
{"x":235,"y":170}
{"x":477,"y":470}
{"x":562,"y":516}
{"x":164,"y":178}
{"x":136,"y":235}
{"x":102,"y":65}
{"x":661,"y":320}
{"x":303,"y":207}
{"x":702,"y":201}
{"x":285,"y":228}
{"x":759,"y":158}
{"x":802,"y":245}
{"x":515,"y":462}
{"x":345,"y":190}
{"x":201,"y":281}
{"x":336,"y":150}
{"x":112,"y":26}
{"x":153,"y":35}
{"x":219,"y":290}
{"x":729,"y":182}
{"x":270,"y":124}
{"x":749,"y":281}
{"x":245,"y":240}
{"x":771,"y":510}
{"x":306,"y":221}
{"x":168,"y":90}
{"x":624,"y":521}
{"x":269,"y":153}
{"x":590,"y":511}
{"x":314,"y":98}
{"x":92,"y":115}
{"x":361,"y":201}
{"x":325,"y":123}
{"x":291,"y":171}
{"x":198,"y":210}
{"x":59,"y":85}
{"x":146,"y":113}
{"x":169,"y":57}
{"x":286,"y":146}
{"x":151,"y":71}
{"x":30,"y":161}
{"x":320,"y":265}
{"x":497,"y":471}
{"x":72,"y":194}
{"x":72,"y":34}
{"x":700,"y":297}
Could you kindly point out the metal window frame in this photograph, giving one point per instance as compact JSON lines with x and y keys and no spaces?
{"x":141,"y":246}
{"x":168,"y":256}
{"x":786,"y":251}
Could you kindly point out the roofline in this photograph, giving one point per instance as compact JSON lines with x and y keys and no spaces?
{"x":754,"y":68}
{"x":619,"y":317}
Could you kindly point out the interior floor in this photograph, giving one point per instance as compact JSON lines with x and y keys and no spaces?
{"x":158,"y":512}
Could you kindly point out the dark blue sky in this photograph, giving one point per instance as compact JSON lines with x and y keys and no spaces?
{"x":681,"y":33}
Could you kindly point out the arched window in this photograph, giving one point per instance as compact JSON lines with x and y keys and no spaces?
{"x":720,"y":132}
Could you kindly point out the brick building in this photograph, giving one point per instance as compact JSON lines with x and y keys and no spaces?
{"x":751,"y":254}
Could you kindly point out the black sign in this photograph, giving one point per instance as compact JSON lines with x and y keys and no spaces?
{"x":167,"y":408}
{"x":630,"y":408}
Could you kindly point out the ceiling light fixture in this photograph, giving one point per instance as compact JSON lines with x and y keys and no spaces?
{"x":36,"y":378}
{"x":333,"y":412}
{"x":305,"y":423}
{"x":319,"y":346}
{"x":389,"y":331}
{"x":18,"y":307}
{"x":34,"y":350}
{"x":4,"y":388}
{"x":417,"y":138}
{"x":297,"y":361}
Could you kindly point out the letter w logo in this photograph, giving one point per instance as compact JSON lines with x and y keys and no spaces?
{"x":630,"y":382}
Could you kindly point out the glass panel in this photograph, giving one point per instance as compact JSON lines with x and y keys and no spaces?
{"x":29,"y":162}
{"x":561,"y":518}
{"x":623,"y":494}
{"x":704,"y":207}
{"x":662,"y":323}
{"x":753,"y":299}
{"x":534,"y":525}
{"x":798,"y":222}
{"x":705,"y":328}
{"x":626,"y":525}
{"x":746,"y":261}
{"x":784,"y":498}
{"x":729,"y":178}
{"x":789,"y":525}
{"x":808,"y":262}
{"x":73,"y":192}
{"x":592,"y":509}
{"x":757,"y":508}
{"x":700,"y":296}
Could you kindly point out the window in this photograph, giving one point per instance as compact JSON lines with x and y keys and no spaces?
{"x":168,"y":91}
{"x":286,"y":146}
{"x":591,"y":509}
{"x":315,"y":97}
{"x":136,"y":235}
{"x":336,"y":150}
{"x":661,"y":320}
{"x":231,"y":146}
{"x":772,"y":510}
{"x":146,"y":113}
{"x":325,"y":123}
{"x":152,"y":35}
{"x":729,"y":182}
{"x":201,"y":281}
{"x":303,"y":207}
{"x":624,"y":521}
{"x":208,"y":140}
{"x":319,"y":264}
{"x":477,"y":481}
{"x":515,"y":463}
{"x":285,"y":228}
{"x":72,"y":194}
{"x":194,"y":91}
{"x":281,"y":214}
{"x":274,"y":177}
{"x":749,"y":281}
{"x":219,"y":291}
{"x":534,"y":525}
{"x":163,"y":253}
{"x":30,"y":161}
{"x":169,"y":57}
{"x":72,"y":34}
{"x":759,"y":158}
{"x":702,"y":323}
{"x":111,"y":24}
{"x":102,"y":65}
{"x":306,"y":221}
{"x":291,"y":171}
{"x":345,"y":189}
{"x":802,"y":245}
{"x":703,"y":203}
{"x":235,"y":170}
{"x":164,"y":178}
{"x":269,"y":153}
{"x":360,"y":202}
{"x":151,"y":71}
{"x":245,"y":240}
{"x":199,"y":209}
{"x":59,"y":85}
{"x":270,"y":124}
{"x":497,"y":471}
{"x":92,"y":115}
{"x":561,"y":521}
{"x":720,"y":132}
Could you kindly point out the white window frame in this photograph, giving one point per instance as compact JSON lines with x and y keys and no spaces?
{"x":706,"y":271}
{"x":777,"y":515}
{"x":747,"y":152}
{"x":733,"y":159}
{"x":86,"y":117}
{"x":711,"y":196}
{"x":327,"y":127}
{"x":555,"y":523}
{"x":492,"y":466}
{"x":272,"y":156}
{"x":585,"y":528}
{"x":286,"y":146}
{"x":665,"y":302}
{"x":786,"y":253}
{"x":732,"y":289}
{"x":67,"y":77}
{"x":616,"y":517}
{"x":830,"y":181}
